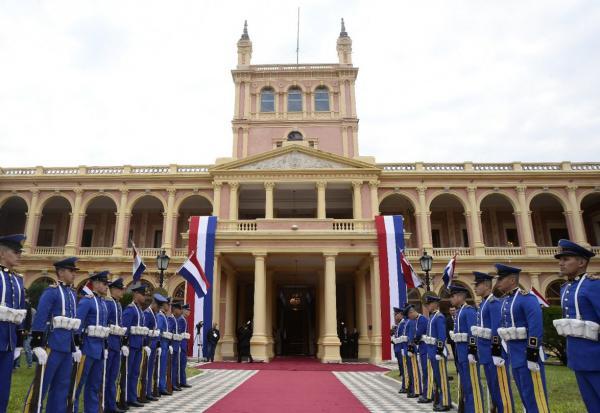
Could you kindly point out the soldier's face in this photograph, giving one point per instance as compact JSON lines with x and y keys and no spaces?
{"x":398,"y":317}
{"x":100,"y":287}
{"x":116,"y":293}
{"x":9,"y":257}
{"x":66,"y":275}
{"x":571,"y":266}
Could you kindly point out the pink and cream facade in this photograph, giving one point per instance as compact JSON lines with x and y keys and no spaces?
{"x":296,"y":248}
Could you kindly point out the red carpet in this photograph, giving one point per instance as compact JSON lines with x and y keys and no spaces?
{"x":292,"y":364}
{"x":289,"y":392}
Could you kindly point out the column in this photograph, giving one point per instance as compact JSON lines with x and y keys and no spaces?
{"x":574,"y":215}
{"x":216,"y":303}
{"x":228,"y":346}
{"x":376,"y":310}
{"x":168,"y":224}
{"x":321,"y":315}
{"x":216,"y":198}
{"x":423,"y":215}
{"x":374,"y":185}
{"x":258,"y":343}
{"x":233,"y":200}
{"x":524,"y":217}
{"x":269,"y":187}
{"x":122,"y":219}
{"x":269,"y":316}
{"x":321,"y":208}
{"x":361,"y":314}
{"x":331,"y":342}
{"x":72,"y":241}
{"x":33,"y":222}
{"x":357,"y":207}
{"x":475,"y":240}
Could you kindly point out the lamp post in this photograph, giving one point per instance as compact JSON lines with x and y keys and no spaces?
{"x":426,"y":262}
{"x":162,"y":262}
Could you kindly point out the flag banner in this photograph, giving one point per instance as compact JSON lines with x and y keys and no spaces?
{"x":543,"y":302}
{"x":138,"y":264}
{"x":87,"y":288}
{"x":448,"y":274}
{"x":390,"y":241}
{"x":410,"y":276}
{"x":198,"y":273}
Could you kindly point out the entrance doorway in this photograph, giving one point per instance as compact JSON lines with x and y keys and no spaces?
{"x":295,"y":335}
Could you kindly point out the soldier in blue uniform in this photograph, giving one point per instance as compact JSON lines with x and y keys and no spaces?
{"x":580,"y":301}
{"x":12,"y":311}
{"x":421,"y":330}
{"x":395,"y":333}
{"x":183,"y":330}
{"x":488,"y":318}
{"x":403,"y":347}
{"x":153,"y":341}
{"x":522,"y":329}
{"x":466,"y":350}
{"x":176,"y":344}
{"x":116,"y":345}
{"x":91,"y":374}
{"x":165,"y":343}
{"x":438,"y":387}
{"x":134,"y":321}
{"x":54,"y":326}
{"x":412,"y":355}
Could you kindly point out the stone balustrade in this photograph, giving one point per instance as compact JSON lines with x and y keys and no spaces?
{"x":95,"y":251}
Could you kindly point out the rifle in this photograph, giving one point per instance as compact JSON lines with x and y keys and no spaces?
{"x":169,"y":378}
{"x":156,"y":374}
{"x":72,"y":388}
{"x":143,"y":376}
{"x":122,"y":391}
{"x":103,"y":389}
{"x":33,"y":401}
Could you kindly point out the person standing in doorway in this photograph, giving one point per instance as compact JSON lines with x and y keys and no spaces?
{"x":212,"y":338}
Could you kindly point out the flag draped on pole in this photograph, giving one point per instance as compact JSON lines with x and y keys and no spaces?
{"x":543,"y":302}
{"x":87,"y":288}
{"x":138,"y":264}
{"x":448,"y":274}
{"x":410,"y":276}
{"x":198,"y":273}
{"x":390,"y":240}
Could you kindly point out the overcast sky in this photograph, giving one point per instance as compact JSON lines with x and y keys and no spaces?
{"x":148,"y":82}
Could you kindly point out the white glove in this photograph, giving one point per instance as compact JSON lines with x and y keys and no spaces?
{"x":403,"y":352}
{"x":409,"y":353}
{"x":105,"y":354}
{"x":170,"y":349}
{"x":41,"y":355}
{"x":438,"y":357}
{"x":125,"y":351}
{"x":471,"y":358}
{"x":17,"y":353}
{"x":148,"y":350}
{"x":158,"y":351}
{"x":498,"y":361}
{"x":533,"y":366}
{"x":76,"y":355}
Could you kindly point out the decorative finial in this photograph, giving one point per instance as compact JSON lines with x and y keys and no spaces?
{"x":343,"y":32}
{"x":245,"y":33}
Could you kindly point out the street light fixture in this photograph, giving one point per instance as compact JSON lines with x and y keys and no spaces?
{"x":426,"y":262}
{"x":162,"y":262}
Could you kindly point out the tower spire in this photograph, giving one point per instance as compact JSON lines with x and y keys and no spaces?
{"x":245,"y":32}
{"x":244,"y":48}
{"x":344,"y":46}
{"x":343,"y":32}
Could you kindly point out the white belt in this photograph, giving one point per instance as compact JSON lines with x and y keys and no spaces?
{"x":177,"y":337}
{"x":167,"y":335}
{"x":154,"y":333}
{"x":459,"y":337}
{"x":481,"y":332}
{"x":396,"y":340}
{"x":66,"y":323}
{"x":98,"y":331}
{"x":403,"y":339}
{"x":429,"y":340}
{"x":186,"y":336}
{"x":139,"y":331}
{"x":12,"y":315}
{"x":512,"y":333}
{"x":577,"y":328}
{"x":117,"y":331}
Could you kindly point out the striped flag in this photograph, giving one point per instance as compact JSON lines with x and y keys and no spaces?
{"x":390,"y":242}
{"x":410,"y":276}
{"x":543,"y":302}
{"x":87,"y":288}
{"x":448,"y":273}
{"x":198,"y":272}
{"x":138,"y":264}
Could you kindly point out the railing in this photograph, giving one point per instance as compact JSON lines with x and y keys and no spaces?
{"x":236,"y":226}
{"x":449,"y":252}
{"x":547,"y":250}
{"x":503,"y":251}
{"x":95,"y":251}
{"x":108,"y":170}
{"x":353,"y":225}
{"x":48,"y":250}
{"x":412,"y":252}
{"x":292,"y":67}
{"x":469,"y":167}
{"x":596,"y":250}
{"x":144,"y":252}
{"x":180,"y":252}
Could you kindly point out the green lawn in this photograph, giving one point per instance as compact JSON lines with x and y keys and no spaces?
{"x":23,"y":376}
{"x":563,"y":393}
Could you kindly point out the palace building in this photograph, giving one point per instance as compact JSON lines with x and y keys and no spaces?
{"x":296,"y":246}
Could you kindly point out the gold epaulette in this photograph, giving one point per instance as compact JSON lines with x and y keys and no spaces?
{"x":523,"y":292}
{"x":52,"y":285}
{"x":593,"y":277}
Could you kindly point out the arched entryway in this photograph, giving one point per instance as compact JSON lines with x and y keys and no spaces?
{"x":590,"y":205}
{"x":498,"y":222}
{"x":448,"y":223}
{"x":99,"y":225}
{"x":549,"y":224}
{"x":55,"y":223}
{"x":13,"y":216}
{"x":146,"y":224}
{"x":397,"y":204}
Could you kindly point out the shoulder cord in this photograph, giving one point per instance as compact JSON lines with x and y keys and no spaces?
{"x":577,"y":314}
{"x":481,"y":311}
{"x":431,"y":323}
{"x":512,"y":305}
{"x":458,"y":318}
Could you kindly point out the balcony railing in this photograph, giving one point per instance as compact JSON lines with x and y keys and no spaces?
{"x":503,"y":251}
{"x":412,"y":252}
{"x":48,"y":250}
{"x":449,"y":252}
{"x":547,"y":250}
{"x":300,"y":225}
{"x":95,"y":251}
{"x":180,"y":252}
{"x":144,"y":252}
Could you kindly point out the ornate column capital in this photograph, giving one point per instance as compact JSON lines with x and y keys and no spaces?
{"x":217,"y":185}
{"x":421,"y":189}
{"x":269,"y":185}
{"x":521,"y":189}
{"x":234,"y":185}
{"x":330,"y":254}
{"x":572,"y":188}
{"x":357,"y":184}
{"x":321,"y":184}
{"x":374,"y":184}
{"x":171,"y":191}
{"x":124,"y":191}
{"x":471,"y":189}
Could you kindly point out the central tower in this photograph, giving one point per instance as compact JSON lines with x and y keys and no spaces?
{"x":309,"y":103}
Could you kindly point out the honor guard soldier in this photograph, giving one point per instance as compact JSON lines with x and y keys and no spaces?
{"x":488,"y":319}
{"x":12,"y":311}
{"x":153,"y":343}
{"x":395,"y":333}
{"x":116,"y":345}
{"x":466,"y":350}
{"x":412,"y":355}
{"x":55,"y":326}
{"x":421,"y":330}
{"x":165,"y":340}
{"x":521,"y":327}
{"x":91,"y":373}
{"x":134,"y":321}
{"x":438,"y":388}
{"x":403,"y":349}
{"x":183,"y":329}
{"x":580,"y":302}
{"x":176,"y":344}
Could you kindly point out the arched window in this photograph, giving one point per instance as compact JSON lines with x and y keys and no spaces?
{"x":322,"y":99}
{"x":267,"y":100}
{"x":294,"y":103}
{"x":553,"y":292}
